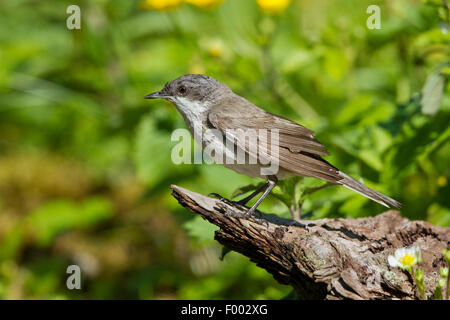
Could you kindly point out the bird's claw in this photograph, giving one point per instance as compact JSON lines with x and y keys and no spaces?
{"x":257,"y":217}
{"x":250,"y":215}
{"x":225,"y":209}
{"x":216,"y":195}
{"x":226,"y":201}
{"x":261,"y":220}
{"x":225,"y":204}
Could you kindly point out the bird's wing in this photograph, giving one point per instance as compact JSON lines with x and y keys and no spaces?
{"x":298,"y":150}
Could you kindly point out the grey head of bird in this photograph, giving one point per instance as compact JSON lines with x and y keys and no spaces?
{"x":192,"y":88}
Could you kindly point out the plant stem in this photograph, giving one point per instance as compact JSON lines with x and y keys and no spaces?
{"x":419,"y":286}
{"x":447,"y":11}
{"x":300,"y":205}
{"x":291,"y":210}
{"x":447,"y":291}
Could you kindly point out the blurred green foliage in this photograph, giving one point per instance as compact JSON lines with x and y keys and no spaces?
{"x":85,"y":161}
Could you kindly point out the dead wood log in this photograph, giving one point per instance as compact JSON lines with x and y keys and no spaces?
{"x":328,"y":258}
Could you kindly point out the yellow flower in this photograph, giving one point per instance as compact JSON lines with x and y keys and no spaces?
{"x":205,"y":4}
{"x":216,"y":48}
{"x":445,"y":71}
{"x":160,"y":5}
{"x":273,"y":6}
{"x":197,"y":68}
{"x":442,"y":181}
{"x":405,"y":258}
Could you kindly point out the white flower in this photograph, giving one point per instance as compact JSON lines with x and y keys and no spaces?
{"x":405,"y":257}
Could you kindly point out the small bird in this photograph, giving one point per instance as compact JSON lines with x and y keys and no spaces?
{"x":209,"y":106}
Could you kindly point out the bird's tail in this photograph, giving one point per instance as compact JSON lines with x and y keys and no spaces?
{"x":354,"y":185}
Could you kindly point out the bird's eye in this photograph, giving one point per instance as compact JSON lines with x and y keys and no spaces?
{"x":182,"y":89}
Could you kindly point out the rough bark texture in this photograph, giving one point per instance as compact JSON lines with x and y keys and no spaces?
{"x":327,"y":258}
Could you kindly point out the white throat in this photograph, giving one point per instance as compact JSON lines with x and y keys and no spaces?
{"x":195,"y":113}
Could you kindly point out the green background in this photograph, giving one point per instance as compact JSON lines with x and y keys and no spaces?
{"x":85,"y":163}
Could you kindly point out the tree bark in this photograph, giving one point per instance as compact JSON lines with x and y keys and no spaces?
{"x":327,"y":258}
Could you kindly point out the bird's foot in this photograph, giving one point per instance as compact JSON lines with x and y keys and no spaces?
{"x":215,"y":195}
{"x":258,"y":218}
{"x":238,"y":204}
{"x":224,"y":207}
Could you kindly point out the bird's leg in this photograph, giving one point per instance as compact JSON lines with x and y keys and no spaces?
{"x":271,"y":183}
{"x":224,"y":200}
{"x":254,"y":193}
{"x":216,"y":195}
{"x":241,"y":202}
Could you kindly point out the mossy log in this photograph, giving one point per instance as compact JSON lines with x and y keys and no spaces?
{"x":327,"y":258}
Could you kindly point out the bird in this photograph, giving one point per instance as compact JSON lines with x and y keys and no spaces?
{"x":216,"y":116}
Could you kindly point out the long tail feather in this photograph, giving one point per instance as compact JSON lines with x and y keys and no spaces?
{"x":354,"y":185}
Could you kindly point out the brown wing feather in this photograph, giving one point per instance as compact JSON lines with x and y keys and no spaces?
{"x":299,"y":151}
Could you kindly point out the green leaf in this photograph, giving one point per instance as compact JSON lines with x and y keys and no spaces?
{"x":438,"y":293}
{"x":247,"y":188}
{"x":225,"y":251}
{"x":153,"y":147}
{"x":200,"y":229}
{"x":366,"y":144}
{"x":444,"y":272}
{"x":57,"y":216}
{"x":289,"y":190}
{"x":438,"y":215}
{"x":432,"y":91}
{"x":11,"y":242}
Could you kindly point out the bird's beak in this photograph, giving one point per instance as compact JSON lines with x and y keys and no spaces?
{"x":155,"y":95}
